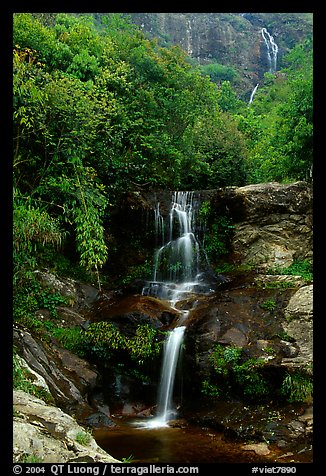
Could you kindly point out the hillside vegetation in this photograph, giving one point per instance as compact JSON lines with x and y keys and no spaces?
{"x":100,"y":109}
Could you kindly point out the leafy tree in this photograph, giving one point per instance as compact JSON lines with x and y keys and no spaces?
{"x":218,"y":72}
{"x":220,"y":153}
{"x":228,"y":100}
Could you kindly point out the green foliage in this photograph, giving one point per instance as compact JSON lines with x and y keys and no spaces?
{"x":218,"y":72}
{"x":283,"y":335}
{"x":143,"y":346}
{"x":83,"y":437}
{"x":247,"y":377}
{"x":128,"y":459}
{"x":297,"y":387}
{"x":251,"y":380}
{"x":33,"y":227}
{"x":217,"y":241}
{"x":98,"y":109}
{"x":71,"y":338}
{"x":228,"y":100}
{"x":275,"y":284}
{"x":62,"y":265}
{"x":232,"y":373}
{"x":105,"y":339}
{"x":209,"y":389}
{"x":269,"y":305}
{"x":279,"y":122}
{"x":143,"y":271}
{"x":31,"y":459}
{"x":220,"y":153}
{"x":48,"y":300}
{"x":218,"y":234}
{"x":301,"y":268}
{"x":136,"y":111}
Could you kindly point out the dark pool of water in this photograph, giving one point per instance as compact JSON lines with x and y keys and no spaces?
{"x":181,"y":445}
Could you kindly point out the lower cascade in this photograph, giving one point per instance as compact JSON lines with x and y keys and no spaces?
{"x":176,"y":277}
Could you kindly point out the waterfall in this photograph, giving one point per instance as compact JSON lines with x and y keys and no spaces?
{"x":165,"y":408}
{"x":189,"y":37}
{"x":272,"y":50}
{"x":177,"y":259}
{"x":176,"y":276}
{"x":253,"y":93}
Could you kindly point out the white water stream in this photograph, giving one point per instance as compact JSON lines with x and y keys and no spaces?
{"x":175,"y":278}
{"x":272,"y":50}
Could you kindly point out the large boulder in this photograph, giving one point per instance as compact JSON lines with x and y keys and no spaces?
{"x":273,"y":221}
{"x":50,"y":435}
{"x":68,"y":378}
{"x":78,"y":295}
{"x":298,"y":324}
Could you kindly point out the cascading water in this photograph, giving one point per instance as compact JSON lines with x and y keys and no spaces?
{"x":253,"y":93}
{"x":176,"y":276}
{"x":272,"y":50}
{"x":177,"y":259}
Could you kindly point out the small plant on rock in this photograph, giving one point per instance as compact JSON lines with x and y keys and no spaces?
{"x":83,"y":437}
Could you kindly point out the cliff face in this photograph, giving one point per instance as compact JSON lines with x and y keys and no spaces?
{"x":272,"y":221}
{"x":231,"y":39}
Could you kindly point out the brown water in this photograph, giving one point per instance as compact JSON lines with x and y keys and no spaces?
{"x":182,"y":445}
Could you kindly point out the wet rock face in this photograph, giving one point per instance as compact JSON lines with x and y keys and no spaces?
{"x":227,"y":38}
{"x":288,"y":427}
{"x":282,"y":337}
{"x":129,"y":311}
{"x":235,"y":317}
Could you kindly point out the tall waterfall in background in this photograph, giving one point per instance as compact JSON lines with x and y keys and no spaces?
{"x":176,"y":277}
{"x":272,"y":50}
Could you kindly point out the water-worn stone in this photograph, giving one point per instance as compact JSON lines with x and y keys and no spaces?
{"x":128,"y":312}
{"x":299,"y":325}
{"x":259,"y":448}
{"x":50,"y":435}
{"x":301,"y":304}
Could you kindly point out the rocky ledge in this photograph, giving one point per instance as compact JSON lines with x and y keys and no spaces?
{"x":50,"y":435}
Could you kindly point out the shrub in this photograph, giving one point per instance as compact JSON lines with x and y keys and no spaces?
{"x":301,"y":268}
{"x":105,"y":338}
{"x":218,"y":234}
{"x":238,"y":375}
{"x":297,"y":387}
{"x":269,"y":305}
